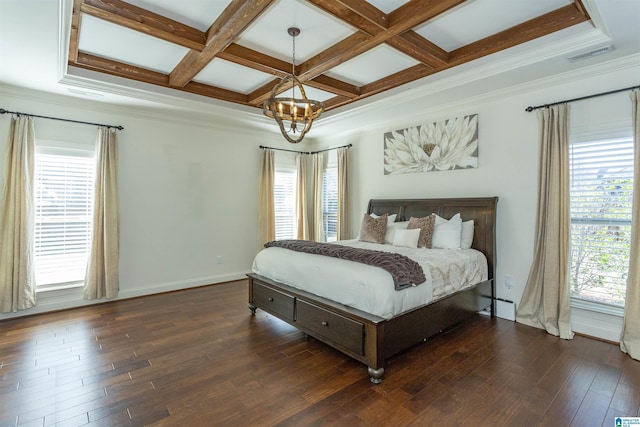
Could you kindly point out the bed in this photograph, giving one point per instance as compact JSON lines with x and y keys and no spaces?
{"x":374,"y":338}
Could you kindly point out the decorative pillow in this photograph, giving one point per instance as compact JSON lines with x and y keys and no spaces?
{"x":446,"y":234}
{"x":390,"y":218}
{"x":466,"y":238}
{"x":407,"y":238}
{"x":391,"y":231}
{"x":425,"y":224}
{"x":373,"y":229}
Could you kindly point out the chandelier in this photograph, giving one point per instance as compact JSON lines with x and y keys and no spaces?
{"x":294,"y":114}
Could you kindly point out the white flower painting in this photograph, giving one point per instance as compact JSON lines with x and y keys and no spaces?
{"x":444,"y":145}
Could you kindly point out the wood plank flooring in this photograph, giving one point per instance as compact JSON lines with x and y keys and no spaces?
{"x":198,"y":358}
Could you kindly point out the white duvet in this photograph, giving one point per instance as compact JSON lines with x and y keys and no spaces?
{"x":369,"y":288}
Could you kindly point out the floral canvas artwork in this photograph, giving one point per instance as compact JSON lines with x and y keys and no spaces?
{"x":438,"y":146}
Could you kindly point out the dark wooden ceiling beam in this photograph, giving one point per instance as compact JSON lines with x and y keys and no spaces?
{"x":367,"y":18}
{"x":256,"y":60}
{"x":326,"y":83}
{"x":543,"y":25}
{"x":145,"y":21}
{"x":342,"y":51}
{"x":261,"y":94}
{"x":120,"y":69}
{"x":401,"y":20}
{"x":357,"y":13}
{"x":267,"y":64}
{"x":416,"y":12}
{"x":339,"y":87}
{"x":231,"y":22}
{"x":336,"y":101}
{"x":215,"y":92}
{"x":131,"y":72}
{"x":74,"y":34}
{"x":374,"y":28}
{"x":417,"y":47}
{"x":397,"y":79}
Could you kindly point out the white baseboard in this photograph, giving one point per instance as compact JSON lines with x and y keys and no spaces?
{"x":594,"y":324}
{"x":63,"y":299}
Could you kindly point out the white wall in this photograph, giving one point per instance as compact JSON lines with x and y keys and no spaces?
{"x":189,"y":190}
{"x":508,"y":158}
{"x":188,"y":193}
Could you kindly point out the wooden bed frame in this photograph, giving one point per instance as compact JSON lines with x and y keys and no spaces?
{"x":371,"y":339}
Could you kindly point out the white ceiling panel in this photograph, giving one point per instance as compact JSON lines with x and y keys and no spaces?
{"x":360,"y":71}
{"x":318,"y":31}
{"x":317,"y":94}
{"x":227,"y":75}
{"x":195,"y":13}
{"x":462,"y":26}
{"x":128,"y":46}
{"x":387,"y":6}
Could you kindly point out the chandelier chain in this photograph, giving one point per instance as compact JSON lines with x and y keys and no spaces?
{"x":293,"y":56}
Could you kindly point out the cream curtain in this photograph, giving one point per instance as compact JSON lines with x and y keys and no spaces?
{"x":266,"y":209}
{"x":318,"y":169}
{"x":102,"y":277}
{"x":302,"y":220}
{"x":630,"y":338}
{"x":545,"y":301}
{"x":343,"y":194}
{"x":17,"y":221}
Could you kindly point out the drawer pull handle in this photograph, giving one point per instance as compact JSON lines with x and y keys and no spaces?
{"x":324,"y":323}
{"x":270,"y":299}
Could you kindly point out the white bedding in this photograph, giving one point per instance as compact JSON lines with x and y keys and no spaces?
{"x":369,"y":288}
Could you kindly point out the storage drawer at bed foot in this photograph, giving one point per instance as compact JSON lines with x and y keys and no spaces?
{"x":326,"y":324}
{"x":274,"y":301}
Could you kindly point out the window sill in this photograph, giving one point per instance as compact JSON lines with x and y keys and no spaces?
{"x":59,"y":287}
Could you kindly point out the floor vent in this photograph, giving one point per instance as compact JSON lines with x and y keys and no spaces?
{"x":505,"y":309}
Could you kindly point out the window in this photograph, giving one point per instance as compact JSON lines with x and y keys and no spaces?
{"x":64,"y":178}
{"x":284,"y":195}
{"x":601,"y":197}
{"x":330,"y":204}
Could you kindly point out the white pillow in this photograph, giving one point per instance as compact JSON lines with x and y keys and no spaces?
{"x":390,"y":218}
{"x":391,"y":231}
{"x":466,"y":237}
{"x":447,"y":234}
{"x":407,"y":238}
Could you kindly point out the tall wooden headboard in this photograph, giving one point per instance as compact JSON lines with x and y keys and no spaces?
{"x":482,"y":210}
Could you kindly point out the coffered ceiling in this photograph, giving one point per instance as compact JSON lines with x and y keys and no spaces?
{"x":215,"y":61}
{"x":237,"y":50}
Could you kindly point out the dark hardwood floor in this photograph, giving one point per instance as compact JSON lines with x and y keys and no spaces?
{"x":198,"y":358}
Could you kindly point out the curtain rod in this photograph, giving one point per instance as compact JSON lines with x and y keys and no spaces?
{"x":305,"y":152}
{"x":530,"y":109}
{"x":3,"y":111}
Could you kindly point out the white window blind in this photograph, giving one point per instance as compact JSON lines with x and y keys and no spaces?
{"x":285,"y":203}
{"x":330,"y":204}
{"x":601,"y":197}
{"x":64,"y":180}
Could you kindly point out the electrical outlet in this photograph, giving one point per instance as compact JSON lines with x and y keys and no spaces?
{"x":219,"y":259}
{"x":508,"y":281}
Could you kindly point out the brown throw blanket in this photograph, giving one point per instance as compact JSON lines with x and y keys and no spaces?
{"x":404,"y":271}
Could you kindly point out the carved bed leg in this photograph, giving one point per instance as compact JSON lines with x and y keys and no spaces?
{"x":253,"y":308}
{"x":376,"y":375}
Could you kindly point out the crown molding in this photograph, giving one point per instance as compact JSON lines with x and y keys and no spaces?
{"x":203,"y":119}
